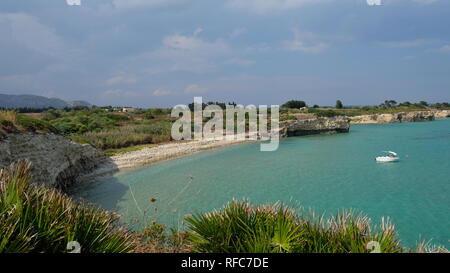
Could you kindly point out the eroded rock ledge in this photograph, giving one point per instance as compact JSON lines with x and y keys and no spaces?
{"x":57,"y":161}
{"x":309,"y":125}
{"x":416,"y":116}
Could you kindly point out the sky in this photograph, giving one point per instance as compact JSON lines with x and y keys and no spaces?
{"x":160,"y":53}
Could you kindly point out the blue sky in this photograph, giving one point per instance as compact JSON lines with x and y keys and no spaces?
{"x":159,"y":53}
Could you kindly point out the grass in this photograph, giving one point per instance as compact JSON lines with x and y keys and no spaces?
{"x":111,"y":130}
{"x":243,"y":228}
{"x":12,"y":121}
{"x":128,"y":135}
{"x":38,"y":219}
{"x":156,"y":238}
{"x":112,"y":152}
{"x":8,"y":115}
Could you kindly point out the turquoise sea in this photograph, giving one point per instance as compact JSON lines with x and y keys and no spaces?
{"x":323,"y":172}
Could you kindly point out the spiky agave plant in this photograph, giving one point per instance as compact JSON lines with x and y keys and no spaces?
{"x":38,"y":219}
{"x":240,"y":227}
{"x":346,"y":232}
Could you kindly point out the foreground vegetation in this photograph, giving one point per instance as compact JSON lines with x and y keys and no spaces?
{"x":39,"y":219}
{"x":243,"y":228}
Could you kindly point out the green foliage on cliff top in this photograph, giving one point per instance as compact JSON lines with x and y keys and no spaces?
{"x":112,"y":130}
{"x":87,"y":120}
{"x":12,"y":121}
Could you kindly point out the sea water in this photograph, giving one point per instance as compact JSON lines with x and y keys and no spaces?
{"x":326,"y":173}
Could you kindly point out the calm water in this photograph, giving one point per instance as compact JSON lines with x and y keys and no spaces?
{"x":325,"y":173}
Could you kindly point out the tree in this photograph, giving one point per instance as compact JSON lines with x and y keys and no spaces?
{"x":423,"y":103}
{"x":389,"y":103}
{"x":339,"y":104}
{"x":405,"y":104}
{"x":294,"y":104}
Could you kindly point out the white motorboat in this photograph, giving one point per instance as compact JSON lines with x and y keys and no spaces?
{"x":390,"y":157}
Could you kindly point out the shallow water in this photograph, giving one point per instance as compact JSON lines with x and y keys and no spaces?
{"x":323,"y":172}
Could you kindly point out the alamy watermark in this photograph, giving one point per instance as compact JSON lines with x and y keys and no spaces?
{"x":240,"y":123}
{"x":73,"y":247}
{"x":73,"y":2}
{"x":374,"y":2}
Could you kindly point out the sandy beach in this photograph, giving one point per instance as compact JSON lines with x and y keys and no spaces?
{"x":151,"y":155}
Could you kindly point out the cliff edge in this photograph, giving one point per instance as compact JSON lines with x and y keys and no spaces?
{"x":57,"y":161}
{"x":415,"y":116}
{"x":310,"y":125}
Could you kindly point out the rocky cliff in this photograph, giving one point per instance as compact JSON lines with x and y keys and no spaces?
{"x":57,"y":161}
{"x":442,"y":113}
{"x":314,"y":125}
{"x":415,"y":116}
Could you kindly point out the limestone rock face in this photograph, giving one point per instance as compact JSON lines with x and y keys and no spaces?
{"x":415,"y":116}
{"x":57,"y":161}
{"x":316,"y":125}
{"x":442,"y":114}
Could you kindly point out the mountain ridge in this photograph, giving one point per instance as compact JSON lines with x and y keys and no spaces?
{"x":37,"y":102}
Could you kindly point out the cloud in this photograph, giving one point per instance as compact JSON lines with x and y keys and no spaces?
{"x":194,"y":44}
{"x":134,"y":4}
{"x":162,"y":92}
{"x":186,"y":53}
{"x":406,"y":44}
{"x":195,"y":89}
{"x":445,"y":48}
{"x":121,"y":79}
{"x":263,"y":7}
{"x":27,"y":31}
{"x":425,"y":1}
{"x":305,"y":42}
{"x":268,"y":6}
{"x":240,"y":62}
{"x":237,"y":32}
{"x":119,"y":93}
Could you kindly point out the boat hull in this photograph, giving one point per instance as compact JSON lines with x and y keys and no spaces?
{"x":386,"y":159}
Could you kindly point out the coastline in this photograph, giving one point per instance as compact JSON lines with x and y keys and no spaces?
{"x":167,"y":151}
{"x":148,"y":156}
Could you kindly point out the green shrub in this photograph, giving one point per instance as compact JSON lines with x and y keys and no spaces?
{"x":295,"y":104}
{"x":125,"y":136}
{"x":87,"y":120}
{"x":242,"y":228}
{"x":31,"y":124}
{"x":325,"y":113}
{"x":7,"y":115}
{"x":38,"y":219}
{"x":156,"y":238}
{"x":287,"y":117}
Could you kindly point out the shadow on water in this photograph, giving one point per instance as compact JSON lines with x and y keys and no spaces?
{"x":432,"y":138}
{"x":107,"y":187}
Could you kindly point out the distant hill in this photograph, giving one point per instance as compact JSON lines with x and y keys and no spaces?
{"x":36,"y":102}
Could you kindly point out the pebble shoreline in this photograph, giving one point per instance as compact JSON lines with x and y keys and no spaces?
{"x":151,"y":155}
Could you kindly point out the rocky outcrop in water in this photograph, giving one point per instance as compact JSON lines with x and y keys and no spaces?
{"x":416,"y":116}
{"x":57,"y":161}
{"x":314,"y":125}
